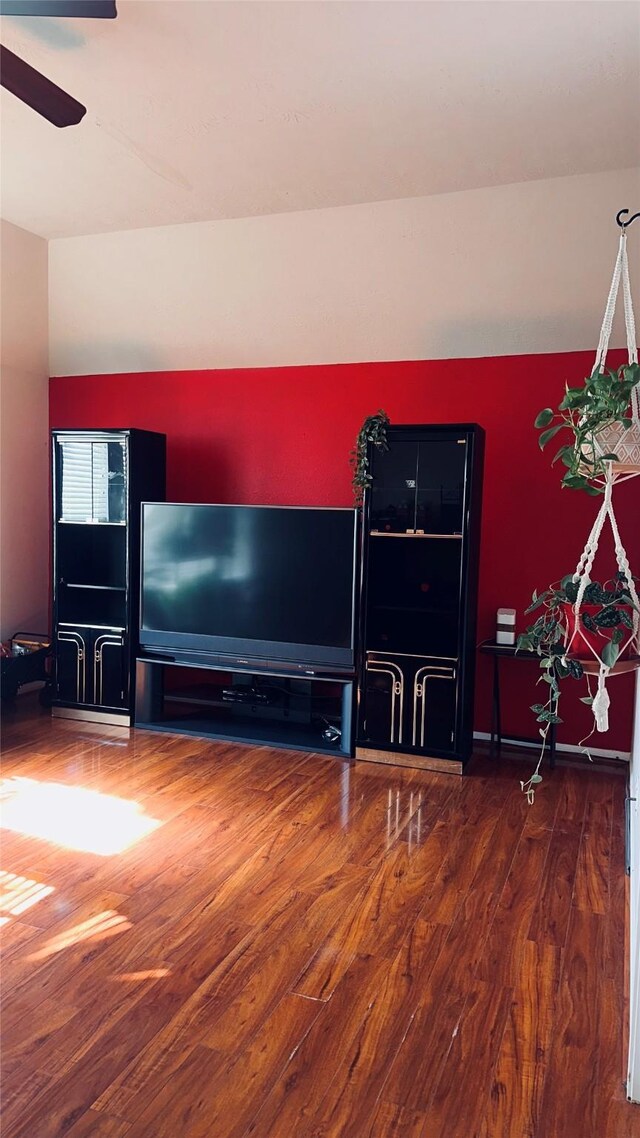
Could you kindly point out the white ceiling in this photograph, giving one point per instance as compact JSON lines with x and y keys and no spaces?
{"x":200,"y":110}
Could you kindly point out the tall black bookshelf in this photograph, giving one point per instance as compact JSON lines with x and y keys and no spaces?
{"x":99,"y":480}
{"x":421,"y":532}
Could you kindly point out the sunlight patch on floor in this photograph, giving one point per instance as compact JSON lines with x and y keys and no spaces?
{"x":103,"y":925}
{"x":72,"y":816}
{"x":149,"y":974}
{"x":17,"y":894}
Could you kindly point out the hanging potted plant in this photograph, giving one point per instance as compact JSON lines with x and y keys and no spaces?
{"x":587,"y":627}
{"x":600,"y":415}
{"x":373,"y":430}
{"x":573,"y":644}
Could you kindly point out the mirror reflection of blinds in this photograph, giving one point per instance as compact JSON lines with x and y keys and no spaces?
{"x":85,"y":481}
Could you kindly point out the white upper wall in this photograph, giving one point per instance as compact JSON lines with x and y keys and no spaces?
{"x":513,"y":269}
{"x":24,"y":434}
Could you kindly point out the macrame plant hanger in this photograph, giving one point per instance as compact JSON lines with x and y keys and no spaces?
{"x":625,"y":443}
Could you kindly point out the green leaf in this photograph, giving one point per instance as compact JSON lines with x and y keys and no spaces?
{"x":549,"y":434}
{"x":536,"y":778}
{"x":537,"y":601}
{"x":525,"y":643}
{"x":588,"y":699}
{"x":594,"y":593}
{"x":571,"y":591}
{"x":560,"y":453}
{"x":608,"y":617}
{"x":610,"y":653}
{"x":574,"y":481}
{"x":547,"y":716}
{"x":544,"y":418}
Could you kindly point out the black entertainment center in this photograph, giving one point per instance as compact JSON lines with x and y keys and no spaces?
{"x":334,"y":630}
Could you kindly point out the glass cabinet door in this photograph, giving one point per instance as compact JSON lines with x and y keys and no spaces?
{"x":418,"y":487}
{"x":440,"y":486}
{"x":393,"y":492}
{"x":420,"y":614}
{"x":92,"y":480}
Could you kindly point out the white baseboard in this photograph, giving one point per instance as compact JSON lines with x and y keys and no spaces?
{"x":570,"y":748}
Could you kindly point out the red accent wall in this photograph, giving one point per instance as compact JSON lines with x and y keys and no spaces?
{"x":283,"y":435}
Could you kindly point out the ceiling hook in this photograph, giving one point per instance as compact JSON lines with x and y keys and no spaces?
{"x":627,"y":223}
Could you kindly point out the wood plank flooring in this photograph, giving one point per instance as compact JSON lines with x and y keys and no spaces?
{"x":299,"y":947}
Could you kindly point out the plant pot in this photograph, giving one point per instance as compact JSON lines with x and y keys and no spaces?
{"x":623,"y":441}
{"x":584,"y":643}
{"x":591,"y":667}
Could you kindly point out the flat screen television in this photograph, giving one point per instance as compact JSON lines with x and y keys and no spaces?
{"x":270,"y":586}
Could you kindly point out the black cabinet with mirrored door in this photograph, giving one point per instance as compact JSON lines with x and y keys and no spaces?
{"x":99,"y":481}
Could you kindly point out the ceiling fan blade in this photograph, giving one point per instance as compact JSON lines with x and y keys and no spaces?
{"x":38,"y":92}
{"x":85,"y":9}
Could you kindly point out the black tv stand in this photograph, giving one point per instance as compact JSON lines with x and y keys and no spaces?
{"x":213,"y":701}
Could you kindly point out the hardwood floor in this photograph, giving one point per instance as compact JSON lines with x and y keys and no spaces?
{"x":211,"y":941}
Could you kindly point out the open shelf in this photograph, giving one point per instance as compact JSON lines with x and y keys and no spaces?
{"x":260,"y":708}
{"x":258,"y":732}
{"x":422,"y":536}
{"x":424,"y":610}
{"x":104,"y":588}
{"x":92,"y":605}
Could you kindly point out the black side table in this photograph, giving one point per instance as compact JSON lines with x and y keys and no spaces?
{"x":509,"y":651}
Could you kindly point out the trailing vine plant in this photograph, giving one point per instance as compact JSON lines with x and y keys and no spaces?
{"x":373,"y":430}
{"x":609,"y":618}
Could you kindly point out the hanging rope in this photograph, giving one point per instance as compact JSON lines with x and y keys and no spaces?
{"x":616,"y":438}
{"x":610,"y":307}
{"x":610,"y":443}
{"x":582,"y":576}
{"x":629,"y":318}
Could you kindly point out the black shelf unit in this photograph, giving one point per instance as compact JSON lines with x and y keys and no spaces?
{"x":277,"y":709}
{"x":419,"y":596}
{"x":99,"y":479}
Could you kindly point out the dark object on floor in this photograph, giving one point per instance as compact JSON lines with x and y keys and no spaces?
{"x":27,"y":664}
